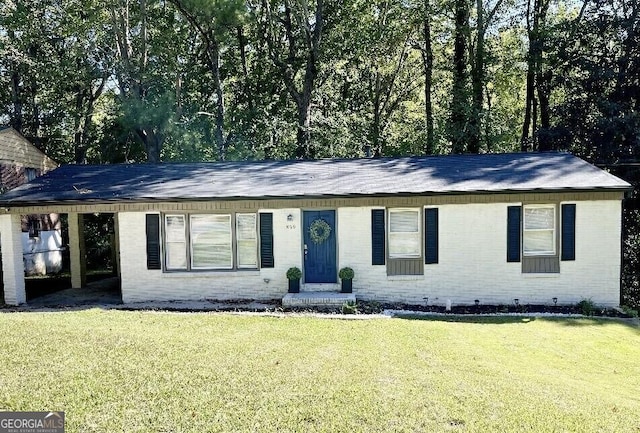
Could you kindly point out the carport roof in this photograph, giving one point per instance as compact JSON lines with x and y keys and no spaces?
{"x":428,"y":175}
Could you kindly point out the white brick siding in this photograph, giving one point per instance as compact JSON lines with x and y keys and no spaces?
{"x":141,"y":284}
{"x":472,"y":261}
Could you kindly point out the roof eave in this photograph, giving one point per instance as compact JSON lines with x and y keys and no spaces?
{"x":139,"y":200}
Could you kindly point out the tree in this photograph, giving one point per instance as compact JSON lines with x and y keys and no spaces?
{"x":599,"y":119}
{"x":212,"y":22}
{"x":459,"y":127}
{"x":485,"y":15}
{"x":426,"y":51}
{"x":537,"y":76}
{"x":143,"y":69}
{"x":293,"y":32}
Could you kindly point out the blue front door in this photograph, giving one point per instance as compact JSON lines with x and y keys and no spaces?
{"x":320,"y":246}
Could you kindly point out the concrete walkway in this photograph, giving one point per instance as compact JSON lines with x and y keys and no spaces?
{"x":102,"y":292}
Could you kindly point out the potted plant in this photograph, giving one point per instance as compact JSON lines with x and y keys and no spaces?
{"x":293,"y":275}
{"x":346,"y":278}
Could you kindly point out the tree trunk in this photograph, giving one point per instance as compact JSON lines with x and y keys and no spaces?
{"x":303,"y":133}
{"x":374,"y":133}
{"x":477,"y":85}
{"x":525,"y":141}
{"x":458,"y":127}
{"x":427,"y":61}
{"x":536,"y":80}
{"x":242,"y":43}
{"x":80,"y":150}
{"x":152,"y":143}
{"x":214,"y":55}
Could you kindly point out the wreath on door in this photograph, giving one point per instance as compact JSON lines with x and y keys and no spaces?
{"x":319,"y":231}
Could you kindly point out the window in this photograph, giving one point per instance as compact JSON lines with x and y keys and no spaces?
{"x":247,"y":238}
{"x":30,"y":174}
{"x":175,"y":242}
{"x":539,"y":230}
{"x":404,"y":233}
{"x":206,"y":241}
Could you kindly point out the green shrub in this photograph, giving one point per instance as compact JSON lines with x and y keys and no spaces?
{"x":349,"y":308}
{"x":629,"y":311}
{"x":586,"y":307}
{"x":294,"y":273}
{"x":346,"y":273}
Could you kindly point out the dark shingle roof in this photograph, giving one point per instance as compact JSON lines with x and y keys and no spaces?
{"x":315,"y":178}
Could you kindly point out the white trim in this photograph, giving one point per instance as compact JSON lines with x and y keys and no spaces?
{"x":255,"y":249}
{"x":209,"y":274}
{"x":165,"y":242}
{"x":553,"y":230}
{"x":417,"y":233}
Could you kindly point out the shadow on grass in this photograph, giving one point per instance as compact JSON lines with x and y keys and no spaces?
{"x":508,"y":320}
{"x":489,"y":320}
{"x":598,"y":321}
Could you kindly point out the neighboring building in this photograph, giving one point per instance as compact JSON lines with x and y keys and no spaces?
{"x":425,"y":229}
{"x":21,"y":162}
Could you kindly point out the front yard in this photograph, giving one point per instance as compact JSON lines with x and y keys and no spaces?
{"x":171,"y":372}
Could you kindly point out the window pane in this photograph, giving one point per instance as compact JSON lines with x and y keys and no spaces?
{"x":539,"y":241}
{"x":404,"y":245}
{"x":175,"y":244}
{"x":247,"y":240}
{"x":174,"y":228}
{"x":246,"y":226}
{"x":539,"y":218}
{"x":211,"y":241}
{"x":176,"y":255}
{"x":247,"y":255}
{"x":403,"y":221}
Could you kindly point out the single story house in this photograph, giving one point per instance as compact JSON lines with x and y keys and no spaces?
{"x":459,"y":228}
{"x":21,"y":162}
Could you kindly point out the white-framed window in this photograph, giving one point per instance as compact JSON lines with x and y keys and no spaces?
{"x":175,"y":244}
{"x":247,"y":240}
{"x":211,"y":242}
{"x":539,"y":230}
{"x":206,"y":241}
{"x":404,"y":237}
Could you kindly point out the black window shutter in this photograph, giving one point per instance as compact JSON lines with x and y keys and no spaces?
{"x":568,"y":232}
{"x":266,"y":240}
{"x":431,"y":235}
{"x":153,"y":241}
{"x":378,"y":251}
{"x":514,"y":216}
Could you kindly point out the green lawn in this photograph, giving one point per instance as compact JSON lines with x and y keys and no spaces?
{"x":117,"y":371}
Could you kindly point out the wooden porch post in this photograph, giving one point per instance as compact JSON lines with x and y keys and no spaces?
{"x":77,"y":253}
{"x":12,"y":264}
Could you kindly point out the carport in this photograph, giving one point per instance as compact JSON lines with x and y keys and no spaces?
{"x":12,"y":255}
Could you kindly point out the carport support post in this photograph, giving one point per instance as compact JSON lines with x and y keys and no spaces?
{"x":12,"y":264}
{"x":77,"y":252}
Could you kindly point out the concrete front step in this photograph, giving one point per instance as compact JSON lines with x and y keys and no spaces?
{"x":317,"y":299}
{"x":320,"y":287}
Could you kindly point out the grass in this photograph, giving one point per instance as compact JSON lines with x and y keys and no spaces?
{"x":115,"y":371}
